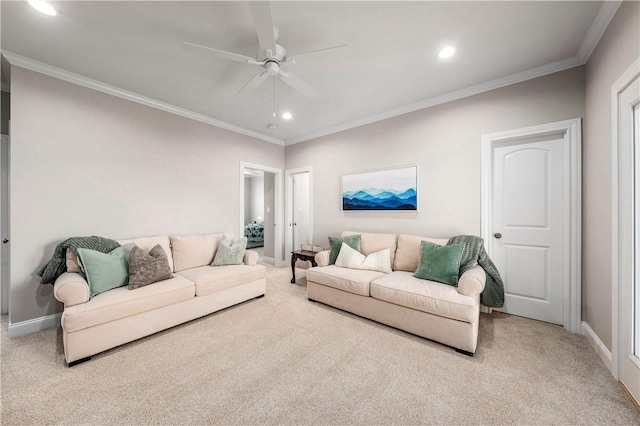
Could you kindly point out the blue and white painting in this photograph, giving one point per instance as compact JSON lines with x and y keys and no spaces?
{"x":394,"y":189}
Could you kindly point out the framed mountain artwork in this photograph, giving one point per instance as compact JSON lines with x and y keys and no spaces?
{"x":391,"y":189}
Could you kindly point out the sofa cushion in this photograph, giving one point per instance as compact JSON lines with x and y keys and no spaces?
{"x":121,"y":302}
{"x":371,"y":243}
{"x":210,"y":279}
{"x":408,"y":251}
{"x":147,"y":243}
{"x":350,"y":280}
{"x":191,"y":251}
{"x":349,"y":258}
{"x":439,"y":263}
{"x":72,"y":261}
{"x":402,"y":288}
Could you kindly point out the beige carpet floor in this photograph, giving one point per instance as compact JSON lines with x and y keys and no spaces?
{"x":284,"y":360}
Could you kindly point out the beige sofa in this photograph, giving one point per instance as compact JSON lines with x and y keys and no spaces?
{"x":429,"y":309}
{"x":120,"y":315}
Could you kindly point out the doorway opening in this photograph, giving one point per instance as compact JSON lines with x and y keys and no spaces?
{"x":625,"y":238}
{"x":260,"y":212}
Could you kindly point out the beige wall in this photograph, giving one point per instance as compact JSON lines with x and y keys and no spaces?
{"x":444,"y":141}
{"x":616,"y":51}
{"x":87,"y":163}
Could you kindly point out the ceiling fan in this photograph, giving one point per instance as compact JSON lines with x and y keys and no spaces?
{"x":271,"y":56}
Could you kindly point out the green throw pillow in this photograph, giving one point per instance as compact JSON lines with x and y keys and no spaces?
{"x":335,"y":243}
{"x":230,"y":254}
{"x":105,"y":271}
{"x":439,"y":263}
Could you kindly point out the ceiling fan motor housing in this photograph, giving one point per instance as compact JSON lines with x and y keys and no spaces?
{"x":278,"y":56}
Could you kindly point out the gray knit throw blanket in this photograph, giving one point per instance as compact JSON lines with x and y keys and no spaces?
{"x":58,"y":263}
{"x":473,"y":251}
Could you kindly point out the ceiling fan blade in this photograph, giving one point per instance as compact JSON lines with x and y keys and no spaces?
{"x":299,"y":85}
{"x":263,"y":21}
{"x":255,"y":81}
{"x":226,"y":55}
{"x":295,"y":55}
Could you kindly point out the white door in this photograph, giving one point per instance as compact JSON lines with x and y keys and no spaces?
{"x":531,"y":219}
{"x":629,"y":237}
{"x":299,"y":208}
{"x":4,"y":224}
{"x":528,"y":216}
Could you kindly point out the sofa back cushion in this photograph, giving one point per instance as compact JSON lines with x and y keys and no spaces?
{"x":371,"y":243}
{"x":408,"y":252}
{"x":192,"y":251}
{"x":147,"y":243}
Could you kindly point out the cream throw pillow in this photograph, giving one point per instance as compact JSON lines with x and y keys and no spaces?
{"x":350,"y":258}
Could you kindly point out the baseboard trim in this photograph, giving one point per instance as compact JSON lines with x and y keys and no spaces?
{"x":268,"y":259}
{"x":598,"y":346}
{"x":33,"y":325}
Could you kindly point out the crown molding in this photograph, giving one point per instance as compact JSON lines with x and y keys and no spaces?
{"x":448,"y":97}
{"x":61,"y":74}
{"x":598,"y":27}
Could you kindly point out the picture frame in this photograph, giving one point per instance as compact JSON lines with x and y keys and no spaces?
{"x":394,"y":189}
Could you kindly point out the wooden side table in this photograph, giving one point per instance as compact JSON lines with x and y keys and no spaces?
{"x":301,"y":255}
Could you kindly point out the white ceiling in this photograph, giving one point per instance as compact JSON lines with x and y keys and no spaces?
{"x":390,"y":67}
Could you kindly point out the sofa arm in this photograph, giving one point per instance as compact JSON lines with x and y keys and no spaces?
{"x":471,"y":283}
{"x":250,"y":257}
{"x":322,"y":258}
{"x":71,"y":289}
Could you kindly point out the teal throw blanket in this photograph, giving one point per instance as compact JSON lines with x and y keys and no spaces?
{"x":473,"y":251}
{"x":57,"y":265}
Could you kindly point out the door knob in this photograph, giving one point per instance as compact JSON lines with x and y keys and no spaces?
{"x":497,"y":235}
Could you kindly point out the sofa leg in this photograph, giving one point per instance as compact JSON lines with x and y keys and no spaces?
{"x":311,"y":300}
{"x":258,"y":297}
{"x":78,"y":361}
{"x":460,"y":351}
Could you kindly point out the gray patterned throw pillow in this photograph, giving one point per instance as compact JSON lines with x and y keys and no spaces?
{"x":147,"y":268}
{"x":230,"y":254}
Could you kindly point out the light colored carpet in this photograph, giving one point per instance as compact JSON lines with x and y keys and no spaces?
{"x":284,"y":360}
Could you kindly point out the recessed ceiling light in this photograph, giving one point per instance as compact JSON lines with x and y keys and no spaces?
{"x":446,"y":52}
{"x":43,"y":6}
{"x":287,"y":115}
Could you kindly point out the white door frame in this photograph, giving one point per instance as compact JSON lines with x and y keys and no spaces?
{"x":572,"y":130}
{"x":289,"y":204}
{"x":616,"y":89}
{"x":278,"y":258}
